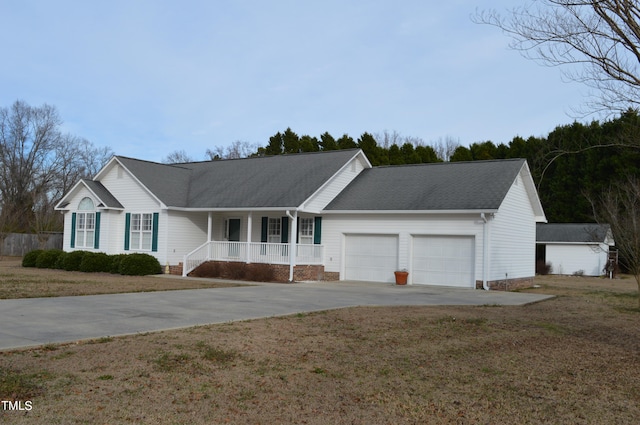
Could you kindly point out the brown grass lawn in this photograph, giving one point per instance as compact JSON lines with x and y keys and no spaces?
{"x":19,"y":282}
{"x":574,"y":359}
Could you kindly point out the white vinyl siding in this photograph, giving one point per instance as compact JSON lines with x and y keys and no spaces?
{"x":568,"y":259}
{"x":186,"y":231}
{"x":371,"y":257}
{"x":512,"y":237}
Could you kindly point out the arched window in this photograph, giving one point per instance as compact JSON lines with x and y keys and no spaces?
{"x":85,"y":224}
{"x":86,"y":204}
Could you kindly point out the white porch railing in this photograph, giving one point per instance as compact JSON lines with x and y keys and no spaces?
{"x":251,"y":252}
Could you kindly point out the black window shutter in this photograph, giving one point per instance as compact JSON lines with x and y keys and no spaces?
{"x":265,"y":227}
{"x":96,"y":236}
{"x":154,"y":235}
{"x":127,"y":230}
{"x":73,"y":230}
{"x":284,"y":231}
{"x":317,"y":230}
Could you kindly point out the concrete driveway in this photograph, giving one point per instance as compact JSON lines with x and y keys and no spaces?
{"x":38,"y":321}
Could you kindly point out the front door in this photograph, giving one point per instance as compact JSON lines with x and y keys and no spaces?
{"x":234,"y":230}
{"x":234,"y":236}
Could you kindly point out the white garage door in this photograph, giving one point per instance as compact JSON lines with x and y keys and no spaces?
{"x":444,"y":260}
{"x":371,"y":257}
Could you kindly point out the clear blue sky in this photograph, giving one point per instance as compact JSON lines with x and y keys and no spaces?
{"x":149,"y":77}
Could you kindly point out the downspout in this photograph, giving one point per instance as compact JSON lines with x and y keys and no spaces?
{"x":292,"y":242}
{"x":485,"y":251}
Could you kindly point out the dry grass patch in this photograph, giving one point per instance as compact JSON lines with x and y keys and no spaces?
{"x":572,"y":359}
{"x":19,"y":282}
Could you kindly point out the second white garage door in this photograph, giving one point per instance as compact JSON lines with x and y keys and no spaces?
{"x":371,"y":257}
{"x":444,"y":260}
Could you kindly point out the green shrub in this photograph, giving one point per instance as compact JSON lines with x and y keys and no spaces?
{"x":30,"y":258}
{"x":139,"y":265}
{"x":95,"y":262}
{"x":115,"y":263}
{"x":47,"y":259}
{"x":72,"y":260}
{"x":60,"y":261}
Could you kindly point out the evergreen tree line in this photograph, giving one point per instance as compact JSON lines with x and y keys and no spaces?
{"x":570,"y":164}
{"x":411,"y":151}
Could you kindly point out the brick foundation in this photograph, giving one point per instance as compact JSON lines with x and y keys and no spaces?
{"x":175,"y":270}
{"x":508,"y":284}
{"x":300,"y":273}
{"x":331,"y":276}
{"x":242,"y":271}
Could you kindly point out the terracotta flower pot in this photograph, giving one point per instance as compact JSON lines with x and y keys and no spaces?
{"x":401,"y":277}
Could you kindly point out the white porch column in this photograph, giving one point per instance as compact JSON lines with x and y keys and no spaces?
{"x":249,"y":229}
{"x":209,"y":226}
{"x":293,"y":235}
{"x":209,"y":233}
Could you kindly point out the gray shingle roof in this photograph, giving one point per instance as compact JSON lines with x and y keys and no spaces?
{"x":571,"y":232}
{"x":477,"y":185}
{"x":276,"y":181}
{"x":107,"y":199}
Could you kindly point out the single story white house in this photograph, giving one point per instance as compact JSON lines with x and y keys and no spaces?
{"x":574,"y":248}
{"x":325,"y":215}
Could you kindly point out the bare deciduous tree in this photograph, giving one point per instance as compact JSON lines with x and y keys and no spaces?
{"x":177,"y":157}
{"x":38,"y":164}
{"x":445,"y":148}
{"x":387,"y":138}
{"x":599,"y":40}
{"x":27,"y":138}
{"x":619,"y":206}
{"x":75,"y":158}
{"x":237,"y":149}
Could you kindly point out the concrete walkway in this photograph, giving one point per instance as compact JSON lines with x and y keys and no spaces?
{"x":38,"y":321}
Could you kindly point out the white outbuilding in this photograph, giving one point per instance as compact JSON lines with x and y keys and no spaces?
{"x":574,"y":248}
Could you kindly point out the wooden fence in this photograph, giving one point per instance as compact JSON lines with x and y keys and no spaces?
{"x":18,"y":244}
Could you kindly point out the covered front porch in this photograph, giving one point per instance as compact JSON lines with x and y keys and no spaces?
{"x":233,"y":237}
{"x":252,"y":252}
